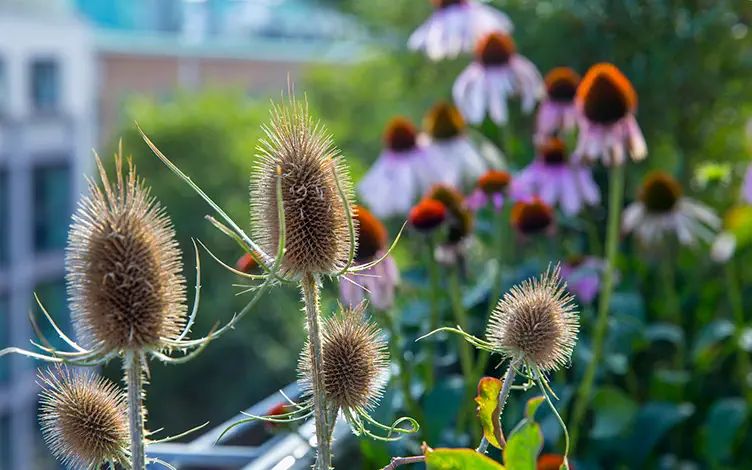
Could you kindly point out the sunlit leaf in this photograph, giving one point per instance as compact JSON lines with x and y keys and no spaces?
{"x":532,"y":406}
{"x":459,"y":459}
{"x":523,"y":446}
{"x":614,"y":411}
{"x":725,"y":418}
{"x":489,"y":409}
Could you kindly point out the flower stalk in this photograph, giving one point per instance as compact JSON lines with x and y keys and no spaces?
{"x":433,"y":275}
{"x":615,"y":198}
{"x":737,"y":306}
{"x":465,"y":350}
{"x":134,"y":379}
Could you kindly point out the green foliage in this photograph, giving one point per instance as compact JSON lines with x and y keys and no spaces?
{"x":523,"y":447}
{"x":459,"y":459}
{"x":489,"y":409}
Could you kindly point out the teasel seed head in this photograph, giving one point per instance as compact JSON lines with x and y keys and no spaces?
{"x":355,"y":359}
{"x":83,"y":418}
{"x":536,"y":323}
{"x":124,"y":266}
{"x":302,"y":154}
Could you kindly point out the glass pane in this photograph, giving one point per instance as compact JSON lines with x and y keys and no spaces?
{"x":51,"y":207}
{"x":54,"y":298}
{"x":45,"y":85}
{"x":4,"y":340}
{"x":4,"y":215}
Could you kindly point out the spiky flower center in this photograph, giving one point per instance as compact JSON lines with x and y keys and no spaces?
{"x":660,"y":192}
{"x":494,"y":182}
{"x":444,"y":122}
{"x":495,"y":49}
{"x":427,"y":215}
{"x":607,"y":96}
{"x":532,"y":217}
{"x":561,"y":84}
{"x":554,"y":152}
{"x":372,"y":236}
{"x":460,"y":219}
{"x":439,"y":4}
{"x":400,"y":135}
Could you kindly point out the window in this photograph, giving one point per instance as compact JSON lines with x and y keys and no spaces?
{"x":51,"y":207}
{"x":4,"y":341}
{"x":45,"y":85}
{"x":4,"y":219}
{"x":55,"y":301}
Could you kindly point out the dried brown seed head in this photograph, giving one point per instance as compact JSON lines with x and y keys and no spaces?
{"x":536,"y":323}
{"x":317,"y":237}
{"x":355,"y":360}
{"x":124,"y":267}
{"x":83,"y":418}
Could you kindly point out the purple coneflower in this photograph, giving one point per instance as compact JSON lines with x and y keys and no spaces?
{"x":737,"y":231}
{"x":747,"y":186}
{"x":533,"y":217}
{"x":497,"y":73}
{"x":557,"y":111}
{"x":556,"y":181}
{"x":606,"y":103}
{"x":402,"y":173}
{"x":455,"y":26}
{"x":662,"y":209}
{"x":459,"y":222}
{"x":492,"y":187}
{"x":583,"y":276}
{"x":381,"y":280}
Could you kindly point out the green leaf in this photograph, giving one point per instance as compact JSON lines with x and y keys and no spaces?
{"x":725,"y":418}
{"x":653,"y":421}
{"x":532,"y":406}
{"x":614,"y":411}
{"x":523,"y":447}
{"x":664,"y":332}
{"x":489,"y":410}
{"x":441,"y":405}
{"x":459,"y":459}
{"x":710,"y":338}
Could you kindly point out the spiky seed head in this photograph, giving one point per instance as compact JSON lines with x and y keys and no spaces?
{"x":304,"y":156}
{"x":124,"y":267}
{"x":83,"y":418}
{"x":494,"y":182}
{"x":495,"y":49}
{"x":536,"y":322}
{"x":561,"y":84}
{"x":660,"y":192}
{"x":355,"y":360}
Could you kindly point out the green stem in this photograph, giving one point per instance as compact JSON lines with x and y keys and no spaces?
{"x":433,"y":276}
{"x":668,"y":273}
{"x":465,"y":350}
{"x":737,"y":306}
{"x":323,"y":439}
{"x":134,"y":380}
{"x":615,"y":197}
{"x":543,"y":388}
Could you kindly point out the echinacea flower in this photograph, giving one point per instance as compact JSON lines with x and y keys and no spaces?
{"x":553,"y":178}
{"x":746,"y":195}
{"x":606,"y":105}
{"x":379,"y":281}
{"x":454,"y":27}
{"x":84,"y":419}
{"x":583,"y":276}
{"x":454,"y":155}
{"x":402,"y":173}
{"x":557,"y":111}
{"x":491,"y":187}
{"x":552,"y":462}
{"x":460,"y":221}
{"x":736,"y":233}
{"x":427,"y":216}
{"x":661,"y":209}
{"x":533,"y":217}
{"x":497,"y":73}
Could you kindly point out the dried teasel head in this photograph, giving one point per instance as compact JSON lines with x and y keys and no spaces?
{"x":83,"y":418}
{"x":355,"y":361}
{"x":317,"y":194}
{"x":536,"y":323}
{"x":124,"y":267}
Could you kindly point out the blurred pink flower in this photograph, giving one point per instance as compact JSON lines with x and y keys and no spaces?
{"x":746,"y":195}
{"x":497,"y":73}
{"x":556,"y":181}
{"x":454,"y":27}
{"x":557,"y":111}
{"x":583,"y":276}
{"x":606,"y":103}
{"x":491,"y":188}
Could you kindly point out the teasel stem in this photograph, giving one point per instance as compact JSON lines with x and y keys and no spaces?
{"x":567,"y":441}
{"x":134,"y":379}
{"x":506,"y":386}
{"x":737,"y":306}
{"x":465,"y":350}
{"x":323,"y":438}
{"x":668,"y":273}
{"x":433,"y":275}
{"x":615,"y":199}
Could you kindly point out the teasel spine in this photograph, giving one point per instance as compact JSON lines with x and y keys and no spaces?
{"x":321,"y":417}
{"x":134,"y":379}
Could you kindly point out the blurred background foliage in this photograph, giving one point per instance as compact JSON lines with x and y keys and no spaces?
{"x":690,"y":62}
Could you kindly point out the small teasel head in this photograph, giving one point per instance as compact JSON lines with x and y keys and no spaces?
{"x":83,"y":418}
{"x":301,"y":155}
{"x":355,"y":361}
{"x":536,"y":323}
{"x":124,"y":267}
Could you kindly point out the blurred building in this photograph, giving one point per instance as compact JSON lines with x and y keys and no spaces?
{"x":47,"y":96}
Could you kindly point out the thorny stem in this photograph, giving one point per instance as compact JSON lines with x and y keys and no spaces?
{"x":465,"y":350}
{"x":134,"y":380}
{"x":323,"y":442}
{"x":433,"y":274}
{"x":506,"y":386}
{"x":734,"y":293}
{"x":615,"y":197}
{"x":399,"y":461}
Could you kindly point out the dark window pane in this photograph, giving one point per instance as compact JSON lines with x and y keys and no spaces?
{"x":4,"y":341}
{"x":45,"y":85}
{"x":4,"y":218}
{"x":54,"y":298}
{"x":51,"y":207}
